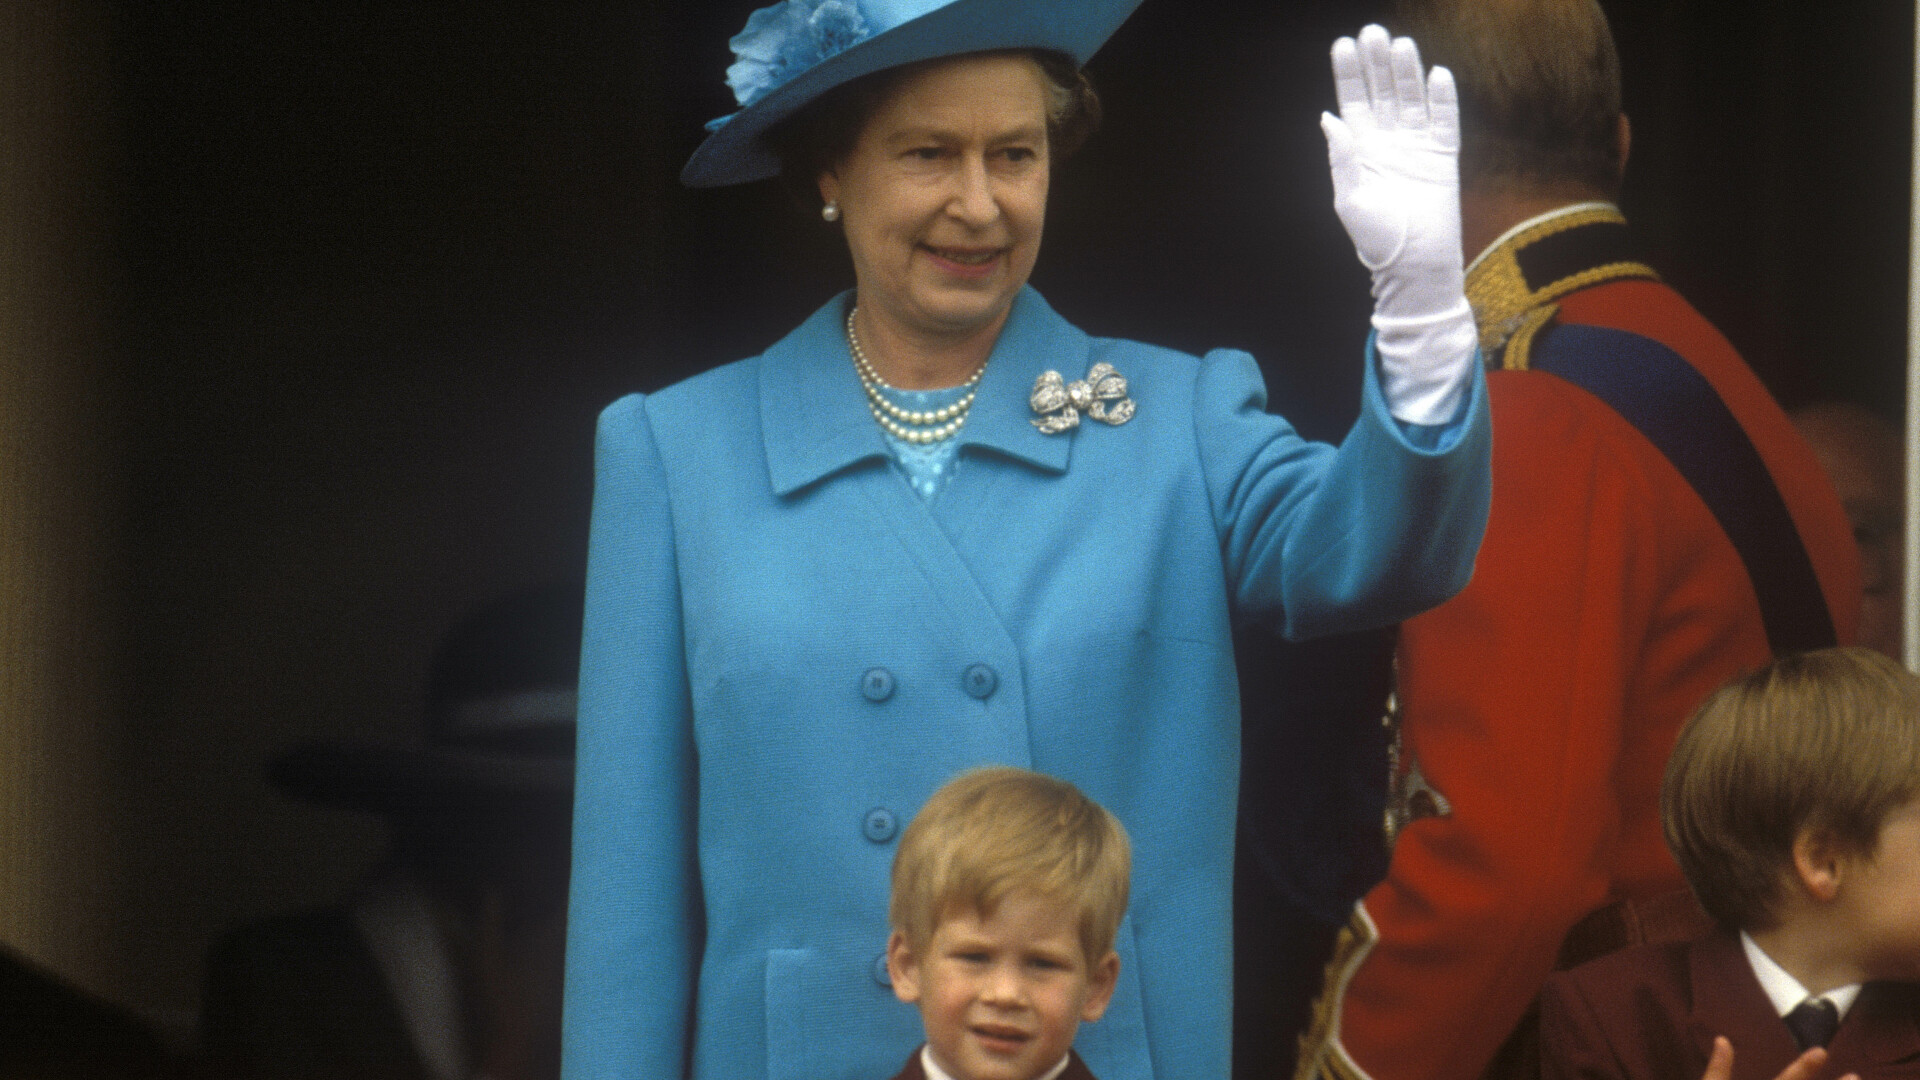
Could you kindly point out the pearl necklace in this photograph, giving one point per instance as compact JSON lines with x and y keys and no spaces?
{"x":909,"y":425}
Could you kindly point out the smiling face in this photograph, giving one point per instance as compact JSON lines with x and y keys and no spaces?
{"x":944,"y":194}
{"x":1001,"y":997}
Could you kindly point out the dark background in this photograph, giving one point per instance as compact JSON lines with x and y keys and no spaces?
{"x":378,"y":267}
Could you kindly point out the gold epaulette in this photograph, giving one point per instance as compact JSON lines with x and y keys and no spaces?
{"x":1515,"y":287}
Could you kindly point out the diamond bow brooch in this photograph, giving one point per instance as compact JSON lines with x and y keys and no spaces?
{"x":1101,"y":395}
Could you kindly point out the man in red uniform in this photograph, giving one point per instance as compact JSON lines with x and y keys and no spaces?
{"x":1657,"y":527}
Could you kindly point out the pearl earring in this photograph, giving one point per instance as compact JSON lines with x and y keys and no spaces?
{"x":830,"y":212}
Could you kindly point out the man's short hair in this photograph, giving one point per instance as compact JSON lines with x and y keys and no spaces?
{"x":1539,"y":88}
{"x":1826,"y":740}
{"x":994,"y":832}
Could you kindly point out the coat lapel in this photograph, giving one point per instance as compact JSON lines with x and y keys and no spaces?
{"x":813,"y":414}
{"x":997,"y":436}
{"x":1076,"y":1069}
{"x":1880,"y":1032}
{"x":1000,"y":431}
{"x":1728,"y":1000}
{"x":1879,"y":1038}
{"x":1035,"y":339}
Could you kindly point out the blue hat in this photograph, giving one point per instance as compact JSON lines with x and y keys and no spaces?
{"x":796,"y":50}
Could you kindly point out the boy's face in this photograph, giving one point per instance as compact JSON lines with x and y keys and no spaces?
{"x":1881,"y":896}
{"x":1001,"y":997}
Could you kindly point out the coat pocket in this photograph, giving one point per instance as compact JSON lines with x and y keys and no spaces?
{"x":829,"y":1018}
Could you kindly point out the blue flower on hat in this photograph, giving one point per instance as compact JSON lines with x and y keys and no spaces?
{"x":786,"y":39}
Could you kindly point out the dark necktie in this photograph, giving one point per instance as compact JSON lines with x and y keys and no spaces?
{"x":1813,"y":1022}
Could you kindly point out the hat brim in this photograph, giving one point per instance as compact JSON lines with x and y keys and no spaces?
{"x":738,"y":153}
{"x":402,"y":780}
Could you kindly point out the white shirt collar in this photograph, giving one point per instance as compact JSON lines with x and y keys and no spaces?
{"x":935,"y":1072}
{"x":1562,"y":211}
{"x":1783,"y":989}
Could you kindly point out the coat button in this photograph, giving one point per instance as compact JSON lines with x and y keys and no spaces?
{"x":980,"y":681}
{"x":880,"y":973}
{"x":877,"y":684}
{"x":880,"y":825}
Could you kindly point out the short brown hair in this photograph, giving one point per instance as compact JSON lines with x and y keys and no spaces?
{"x":822,"y":134}
{"x":1539,"y":88}
{"x":993,"y":832}
{"x":1827,"y":740}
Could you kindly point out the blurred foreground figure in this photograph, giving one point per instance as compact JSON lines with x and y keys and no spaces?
{"x":1313,"y":782}
{"x":446,"y":962}
{"x":1865,"y":458}
{"x":1657,"y":527}
{"x":52,"y":1031}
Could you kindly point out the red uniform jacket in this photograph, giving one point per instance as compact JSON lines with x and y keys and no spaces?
{"x":1651,"y":1013}
{"x":1542,"y":702}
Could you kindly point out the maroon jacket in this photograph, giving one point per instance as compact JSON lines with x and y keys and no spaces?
{"x":1651,"y":1012}
{"x":1076,"y":1069}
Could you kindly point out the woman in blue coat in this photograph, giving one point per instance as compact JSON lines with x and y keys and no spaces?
{"x":937,"y":526}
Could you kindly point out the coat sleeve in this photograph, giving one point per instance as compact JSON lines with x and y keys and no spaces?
{"x":1321,"y":540}
{"x":1514,"y":695}
{"x":634,"y":932}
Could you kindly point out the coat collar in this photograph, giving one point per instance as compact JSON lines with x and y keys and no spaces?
{"x":1727,"y":1000}
{"x":813,"y":413}
{"x":1882,"y":1027}
{"x":1076,"y":1068}
{"x":1515,"y":285}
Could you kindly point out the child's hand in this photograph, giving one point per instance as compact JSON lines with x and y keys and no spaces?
{"x":1805,"y":1067}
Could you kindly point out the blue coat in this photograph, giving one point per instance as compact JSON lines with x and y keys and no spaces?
{"x":787,"y":650}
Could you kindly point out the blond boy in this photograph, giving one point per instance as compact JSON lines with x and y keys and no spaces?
{"x":1008,"y":889}
{"x":1792,"y":802}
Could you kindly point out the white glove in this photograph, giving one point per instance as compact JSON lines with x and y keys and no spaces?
{"x":1394,"y":152}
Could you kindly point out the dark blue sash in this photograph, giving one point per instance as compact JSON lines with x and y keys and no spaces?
{"x":1657,"y":391}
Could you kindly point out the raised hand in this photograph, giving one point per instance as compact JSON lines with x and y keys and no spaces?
{"x":1394,"y":151}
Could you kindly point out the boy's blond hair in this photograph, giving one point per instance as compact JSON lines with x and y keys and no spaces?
{"x":993,"y":832}
{"x":1826,"y":740}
